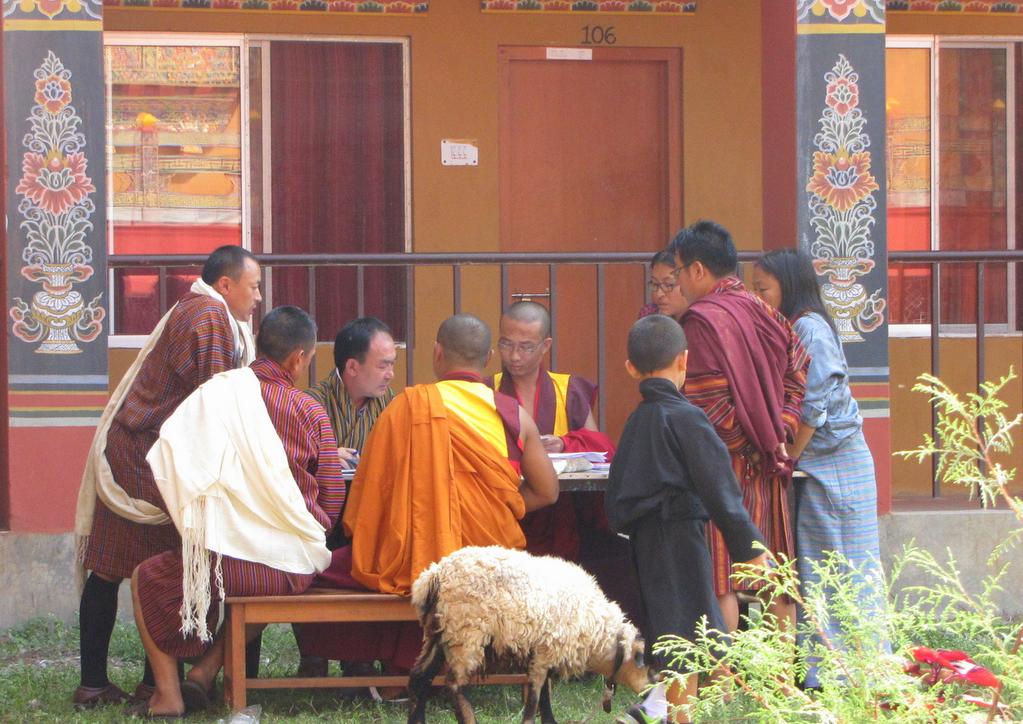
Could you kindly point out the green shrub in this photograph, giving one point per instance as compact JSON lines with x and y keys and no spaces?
{"x":751,"y":675}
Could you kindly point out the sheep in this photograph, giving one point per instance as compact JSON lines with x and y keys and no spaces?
{"x":539,"y":612}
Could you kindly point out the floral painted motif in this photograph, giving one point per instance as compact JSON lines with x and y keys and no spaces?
{"x":842,"y":206}
{"x":841,"y":179}
{"x":56,"y":211}
{"x":841,"y":10}
{"x":656,"y":7}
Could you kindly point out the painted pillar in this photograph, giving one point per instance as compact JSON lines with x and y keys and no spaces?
{"x":54,"y":116}
{"x":840,"y":202}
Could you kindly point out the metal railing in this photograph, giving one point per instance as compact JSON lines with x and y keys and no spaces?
{"x":602,"y":262}
{"x":980,"y":260}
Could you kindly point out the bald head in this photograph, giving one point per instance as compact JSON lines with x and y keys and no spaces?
{"x":464,"y":341}
{"x":531,"y":313}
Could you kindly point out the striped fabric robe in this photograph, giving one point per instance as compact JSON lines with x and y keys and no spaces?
{"x":309,"y":443}
{"x":710,"y":387}
{"x":196,"y":344}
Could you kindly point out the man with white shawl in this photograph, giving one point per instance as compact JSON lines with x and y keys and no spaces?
{"x":249,"y":469}
{"x":121,"y":519}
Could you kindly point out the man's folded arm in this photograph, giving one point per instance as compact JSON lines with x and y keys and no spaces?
{"x":540,"y":483}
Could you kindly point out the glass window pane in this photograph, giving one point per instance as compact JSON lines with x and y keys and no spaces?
{"x":908,"y":117}
{"x":972,"y":141}
{"x":175,"y":137}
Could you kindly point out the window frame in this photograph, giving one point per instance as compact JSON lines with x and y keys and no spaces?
{"x":246,"y":42}
{"x":934,"y":44}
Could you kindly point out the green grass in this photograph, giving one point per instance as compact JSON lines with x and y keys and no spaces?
{"x":39,"y":671}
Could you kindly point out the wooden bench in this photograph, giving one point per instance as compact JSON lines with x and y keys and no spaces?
{"x":317,"y":605}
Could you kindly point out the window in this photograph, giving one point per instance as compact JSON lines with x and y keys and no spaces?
{"x":282,"y":145}
{"x":950,"y":152}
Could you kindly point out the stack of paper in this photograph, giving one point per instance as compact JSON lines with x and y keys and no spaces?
{"x":578,"y":462}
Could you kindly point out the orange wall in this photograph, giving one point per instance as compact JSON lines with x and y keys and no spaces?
{"x":958,"y":368}
{"x":454,"y":94}
{"x":954,"y":24}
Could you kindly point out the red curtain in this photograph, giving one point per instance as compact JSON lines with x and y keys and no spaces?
{"x":338,"y":160}
{"x":972,"y":173}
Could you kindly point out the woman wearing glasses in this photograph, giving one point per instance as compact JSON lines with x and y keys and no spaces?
{"x":665,"y":293}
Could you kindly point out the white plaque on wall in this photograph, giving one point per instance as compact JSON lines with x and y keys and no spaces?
{"x":459,"y":152}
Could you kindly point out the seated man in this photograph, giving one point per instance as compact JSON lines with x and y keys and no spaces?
{"x":248,"y":468}
{"x":562,"y":406}
{"x":575,"y":528}
{"x":354,"y":394}
{"x":440,"y":471}
{"x":357,"y":389}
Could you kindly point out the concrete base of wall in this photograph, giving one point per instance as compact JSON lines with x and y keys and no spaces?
{"x":40,"y":574}
{"x":971,"y":534}
{"x":40,"y":579}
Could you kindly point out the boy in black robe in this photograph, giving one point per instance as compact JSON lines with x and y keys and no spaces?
{"x":670,"y":475}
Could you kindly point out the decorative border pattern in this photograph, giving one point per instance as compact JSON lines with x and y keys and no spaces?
{"x":656,"y":7}
{"x":363,"y":7}
{"x":842,"y":207}
{"x":50,"y":9}
{"x":963,"y":7}
{"x":56,"y":210}
{"x":840,"y":11}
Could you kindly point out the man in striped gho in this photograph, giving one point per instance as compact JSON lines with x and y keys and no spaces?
{"x":747,"y":372}
{"x":121,"y":520}
{"x":249,"y":471}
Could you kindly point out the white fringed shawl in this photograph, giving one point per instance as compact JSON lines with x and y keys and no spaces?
{"x":223,"y":473}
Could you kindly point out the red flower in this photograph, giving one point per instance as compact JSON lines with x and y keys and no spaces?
{"x":501,"y":5}
{"x":843,"y":95}
{"x":841,"y":179}
{"x":340,"y":6}
{"x":53,"y":93}
{"x":398,"y":6}
{"x":55,"y":182}
{"x":557,"y":5}
{"x":840,"y":9}
{"x":668,"y":7}
{"x":959,"y":666}
{"x":613,"y":6}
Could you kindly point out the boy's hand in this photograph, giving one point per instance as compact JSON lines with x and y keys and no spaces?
{"x":763,"y":561}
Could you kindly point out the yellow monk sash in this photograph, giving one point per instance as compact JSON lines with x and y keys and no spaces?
{"x":560,"y":382}
{"x":474,"y":403}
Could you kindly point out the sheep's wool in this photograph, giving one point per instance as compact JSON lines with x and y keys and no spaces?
{"x":539,"y":609}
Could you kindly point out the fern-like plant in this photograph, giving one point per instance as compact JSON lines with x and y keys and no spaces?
{"x":751,"y":674}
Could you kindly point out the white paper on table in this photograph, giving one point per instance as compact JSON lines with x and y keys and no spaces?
{"x":593,"y":457}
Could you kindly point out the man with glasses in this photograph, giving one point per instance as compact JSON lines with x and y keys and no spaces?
{"x":575,"y":528}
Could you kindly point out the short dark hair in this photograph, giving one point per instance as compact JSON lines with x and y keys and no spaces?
{"x":531,"y":313}
{"x":354,"y":339}
{"x":708,"y":243}
{"x":654,"y":343}
{"x":800,"y":291}
{"x":284,"y":330}
{"x":225,"y":261}
{"x":665,"y":257}
{"x":465,"y":338}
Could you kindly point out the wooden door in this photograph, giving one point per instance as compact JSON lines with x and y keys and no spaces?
{"x":590,"y":161}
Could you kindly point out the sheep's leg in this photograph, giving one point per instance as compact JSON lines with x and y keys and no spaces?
{"x":546,"y":713}
{"x":537,"y":682}
{"x":430,"y":660}
{"x":463,"y":709}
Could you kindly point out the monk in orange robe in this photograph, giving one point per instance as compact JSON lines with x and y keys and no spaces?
{"x":440,"y":471}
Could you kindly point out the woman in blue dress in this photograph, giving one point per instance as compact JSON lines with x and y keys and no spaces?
{"x":836,"y":504}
